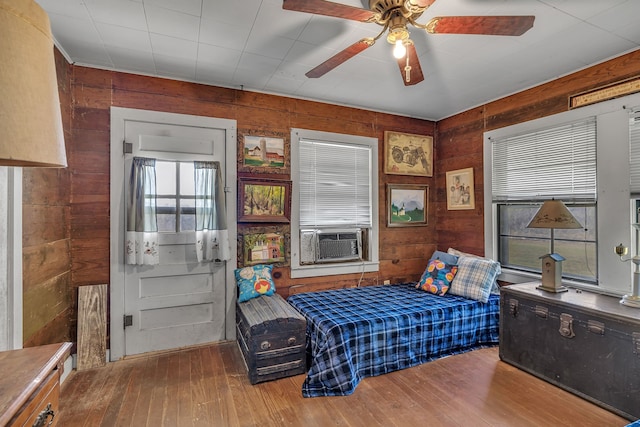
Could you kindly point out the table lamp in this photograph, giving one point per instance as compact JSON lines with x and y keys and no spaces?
{"x":553,"y":214}
{"x":632,"y":299}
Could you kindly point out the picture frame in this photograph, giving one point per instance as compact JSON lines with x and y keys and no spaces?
{"x":408,"y":154}
{"x":264,"y":245}
{"x":264,"y":200}
{"x":261,"y":151}
{"x":407,"y":205}
{"x":460,"y":189}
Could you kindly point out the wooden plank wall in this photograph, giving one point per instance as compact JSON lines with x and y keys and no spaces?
{"x":77,"y":199}
{"x":46,"y":263}
{"x":460,"y":139}
{"x":403,"y":253}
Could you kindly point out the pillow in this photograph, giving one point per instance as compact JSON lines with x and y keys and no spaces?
{"x":254,"y":281}
{"x":495,"y":288}
{"x":475,"y":278}
{"x":444,"y":257}
{"x":437,"y":278}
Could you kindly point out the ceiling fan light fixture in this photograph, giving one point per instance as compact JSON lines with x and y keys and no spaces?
{"x":399,"y":51}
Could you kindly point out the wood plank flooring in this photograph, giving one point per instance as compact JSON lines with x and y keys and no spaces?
{"x":208,"y":386}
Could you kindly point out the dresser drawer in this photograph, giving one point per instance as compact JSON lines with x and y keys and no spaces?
{"x":43,"y":406}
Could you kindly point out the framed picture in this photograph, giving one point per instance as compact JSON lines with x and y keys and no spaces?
{"x":407,"y":205}
{"x":263,"y":151}
{"x":264,"y":245}
{"x":264,"y":200}
{"x":460,"y":191}
{"x":407,"y":154}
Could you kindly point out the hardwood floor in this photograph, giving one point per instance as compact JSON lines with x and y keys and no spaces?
{"x":208,"y":386}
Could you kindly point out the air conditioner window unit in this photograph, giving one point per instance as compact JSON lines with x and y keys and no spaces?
{"x":324,"y":246}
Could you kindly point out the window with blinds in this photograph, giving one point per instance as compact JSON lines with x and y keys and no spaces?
{"x":334,"y":185}
{"x":634,"y":153}
{"x":527,"y":169}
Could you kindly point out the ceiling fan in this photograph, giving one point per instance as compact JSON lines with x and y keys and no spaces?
{"x":394,"y":16}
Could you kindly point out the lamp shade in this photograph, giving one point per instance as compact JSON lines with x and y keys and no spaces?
{"x":30,"y":120}
{"x":554,"y":214}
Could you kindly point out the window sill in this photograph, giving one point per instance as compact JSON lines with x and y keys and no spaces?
{"x":319,"y":270}
{"x":515,"y":276}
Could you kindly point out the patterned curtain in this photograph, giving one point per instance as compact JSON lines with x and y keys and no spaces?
{"x":212,"y":236}
{"x":142,"y":226}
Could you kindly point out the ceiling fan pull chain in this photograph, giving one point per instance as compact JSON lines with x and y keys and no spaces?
{"x":407,"y":71}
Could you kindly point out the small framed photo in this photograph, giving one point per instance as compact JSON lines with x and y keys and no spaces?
{"x":407,"y":205}
{"x":263,"y":151}
{"x":262,"y":200}
{"x":407,"y":154}
{"x":263,"y":245}
{"x":460,"y":190}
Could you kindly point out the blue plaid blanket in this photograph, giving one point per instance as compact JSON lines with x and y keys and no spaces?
{"x":362,"y":332}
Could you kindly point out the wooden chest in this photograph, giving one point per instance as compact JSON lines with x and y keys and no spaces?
{"x":586,"y":343}
{"x":272,"y":338}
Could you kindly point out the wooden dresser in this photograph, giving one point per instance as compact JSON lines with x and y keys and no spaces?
{"x":30,"y":385}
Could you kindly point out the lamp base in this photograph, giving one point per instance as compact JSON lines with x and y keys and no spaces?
{"x":555,"y":290}
{"x":631,"y":301}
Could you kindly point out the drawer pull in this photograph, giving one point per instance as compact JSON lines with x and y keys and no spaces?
{"x":43,"y":416}
{"x":291,"y":341}
{"x":265,"y":345}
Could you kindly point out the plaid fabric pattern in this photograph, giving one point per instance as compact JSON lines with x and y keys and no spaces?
{"x":475,"y":278}
{"x":363,"y":332}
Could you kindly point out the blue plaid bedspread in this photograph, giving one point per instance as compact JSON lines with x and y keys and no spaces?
{"x":363,"y":332}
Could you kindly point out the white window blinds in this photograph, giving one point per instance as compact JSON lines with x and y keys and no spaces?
{"x":335,"y":184}
{"x":634,"y":153}
{"x":558,"y":162}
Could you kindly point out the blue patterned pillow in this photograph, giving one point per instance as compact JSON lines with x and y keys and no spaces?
{"x":254,"y":281}
{"x":444,"y":257}
{"x":475,"y":278}
{"x":437,"y":278}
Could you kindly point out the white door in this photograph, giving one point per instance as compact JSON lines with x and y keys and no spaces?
{"x":179,"y":302}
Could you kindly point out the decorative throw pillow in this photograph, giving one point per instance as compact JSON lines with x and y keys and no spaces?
{"x":444,"y":257}
{"x":254,"y":281}
{"x":437,"y":278}
{"x":495,"y":288}
{"x":475,"y":278}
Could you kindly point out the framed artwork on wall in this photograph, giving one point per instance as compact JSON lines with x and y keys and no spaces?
{"x":407,"y":205}
{"x":262,"y":200}
{"x":261,"y":151}
{"x":460,"y":190}
{"x":407,"y":154}
{"x":264,"y":245}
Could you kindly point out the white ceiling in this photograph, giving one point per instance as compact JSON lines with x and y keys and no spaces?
{"x":258,"y":46}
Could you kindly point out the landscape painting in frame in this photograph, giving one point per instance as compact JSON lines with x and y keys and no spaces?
{"x":407,"y":154}
{"x":408,"y":205}
{"x":460,"y":191}
{"x":263,"y":152}
{"x":264,"y":245}
{"x":264,"y":200}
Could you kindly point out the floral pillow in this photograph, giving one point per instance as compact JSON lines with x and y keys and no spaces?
{"x":437,"y":278}
{"x":254,"y":281}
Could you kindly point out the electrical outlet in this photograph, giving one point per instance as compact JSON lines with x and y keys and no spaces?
{"x":387,"y":282}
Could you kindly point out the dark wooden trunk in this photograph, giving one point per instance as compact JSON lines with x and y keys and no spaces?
{"x":272,"y":338}
{"x":586,"y":343}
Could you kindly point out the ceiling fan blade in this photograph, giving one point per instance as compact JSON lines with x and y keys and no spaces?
{"x":340,"y":57}
{"x":490,"y":25}
{"x":414,"y":74}
{"x":327,"y":8}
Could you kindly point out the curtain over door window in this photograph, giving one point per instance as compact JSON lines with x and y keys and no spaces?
{"x":142,"y":226}
{"x":212,"y":236}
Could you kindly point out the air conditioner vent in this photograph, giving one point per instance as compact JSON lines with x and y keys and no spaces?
{"x":323,"y":246}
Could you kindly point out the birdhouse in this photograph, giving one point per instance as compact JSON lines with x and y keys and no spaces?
{"x":552,"y":273}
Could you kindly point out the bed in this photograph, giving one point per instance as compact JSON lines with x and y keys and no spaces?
{"x":361,"y":332}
